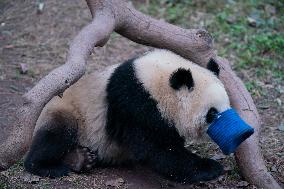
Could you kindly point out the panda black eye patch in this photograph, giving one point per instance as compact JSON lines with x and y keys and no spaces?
{"x":181,"y":77}
{"x":211,"y":115}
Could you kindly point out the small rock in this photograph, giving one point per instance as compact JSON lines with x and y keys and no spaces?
{"x":270,"y":86}
{"x":9,"y":46}
{"x":263,"y":106}
{"x":279,"y":101}
{"x":2,"y":77}
{"x":29,"y":178}
{"x":14,"y":88}
{"x":28,"y":88}
{"x":221,"y":178}
{"x":251,"y":21}
{"x":242,"y":184}
{"x":95,"y":184}
{"x":218,"y":157}
{"x":3,"y":24}
{"x":231,"y":2}
{"x":281,"y":127}
{"x":262,"y":141}
{"x":280,"y":89}
{"x":40,"y":7}
{"x":171,"y":184}
{"x":24,"y":68}
{"x":8,"y":33}
{"x":228,"y":168}
{"x":273,"y":169}
{"x":270,"y":9}
{"x":231,"y":19}
{"x":227,"y":40}
{"x":115,"y":183}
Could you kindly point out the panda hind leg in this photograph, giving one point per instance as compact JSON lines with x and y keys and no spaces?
{"x":81,"y":159}
{"x":56,"y":137}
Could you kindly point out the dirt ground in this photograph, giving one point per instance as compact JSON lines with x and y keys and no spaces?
{"x":40,"y":42}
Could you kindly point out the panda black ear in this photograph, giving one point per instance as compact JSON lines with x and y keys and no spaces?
{"x":213,"y":66}
{"x":181,"y":77}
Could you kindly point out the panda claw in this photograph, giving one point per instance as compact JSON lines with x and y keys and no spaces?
{"x":85,"y":149}
{"x":82,"y":159}
{"x":91,"y":158}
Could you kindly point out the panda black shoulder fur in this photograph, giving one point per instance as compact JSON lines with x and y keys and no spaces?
{"x":140,"y":111}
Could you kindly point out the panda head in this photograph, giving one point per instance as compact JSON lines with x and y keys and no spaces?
{"x":186,"y":94}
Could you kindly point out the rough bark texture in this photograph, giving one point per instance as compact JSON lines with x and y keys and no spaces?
{"x":248,"y":155}
{"x":116,"y":15}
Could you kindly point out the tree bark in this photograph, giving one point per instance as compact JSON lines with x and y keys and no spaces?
{"x":248,"y":155}
{"x":117,"y":15}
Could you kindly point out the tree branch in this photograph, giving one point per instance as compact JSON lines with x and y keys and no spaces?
{"x":18,"y":142}
{"x":248,"y":156}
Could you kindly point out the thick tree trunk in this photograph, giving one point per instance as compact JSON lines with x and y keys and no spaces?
{"x":116,"y":15}
{"x":248,"y":156}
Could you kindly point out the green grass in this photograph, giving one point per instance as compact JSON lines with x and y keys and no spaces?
{"x":257,"y":49}
{"x":18,"y":166}
{"x":254,"y":88}
{"x":3,"y":186}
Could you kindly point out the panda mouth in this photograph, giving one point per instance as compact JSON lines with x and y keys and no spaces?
{"x":201,"y":131}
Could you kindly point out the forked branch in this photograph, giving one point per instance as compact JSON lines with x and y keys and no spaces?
{"x":117,"y":15}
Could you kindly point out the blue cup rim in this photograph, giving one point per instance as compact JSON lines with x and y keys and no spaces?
{"x":229,"y":131}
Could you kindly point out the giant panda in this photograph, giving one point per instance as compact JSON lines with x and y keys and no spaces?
{"x":140,"y":111}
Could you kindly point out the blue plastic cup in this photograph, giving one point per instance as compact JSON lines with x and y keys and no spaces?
{"x":229,"y":131}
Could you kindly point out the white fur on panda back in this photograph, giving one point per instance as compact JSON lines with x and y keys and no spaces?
{"x":86,"y":100}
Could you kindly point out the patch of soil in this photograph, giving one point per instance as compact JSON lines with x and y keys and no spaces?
{"x":10,"y":98}
{"x":40,"y":41}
